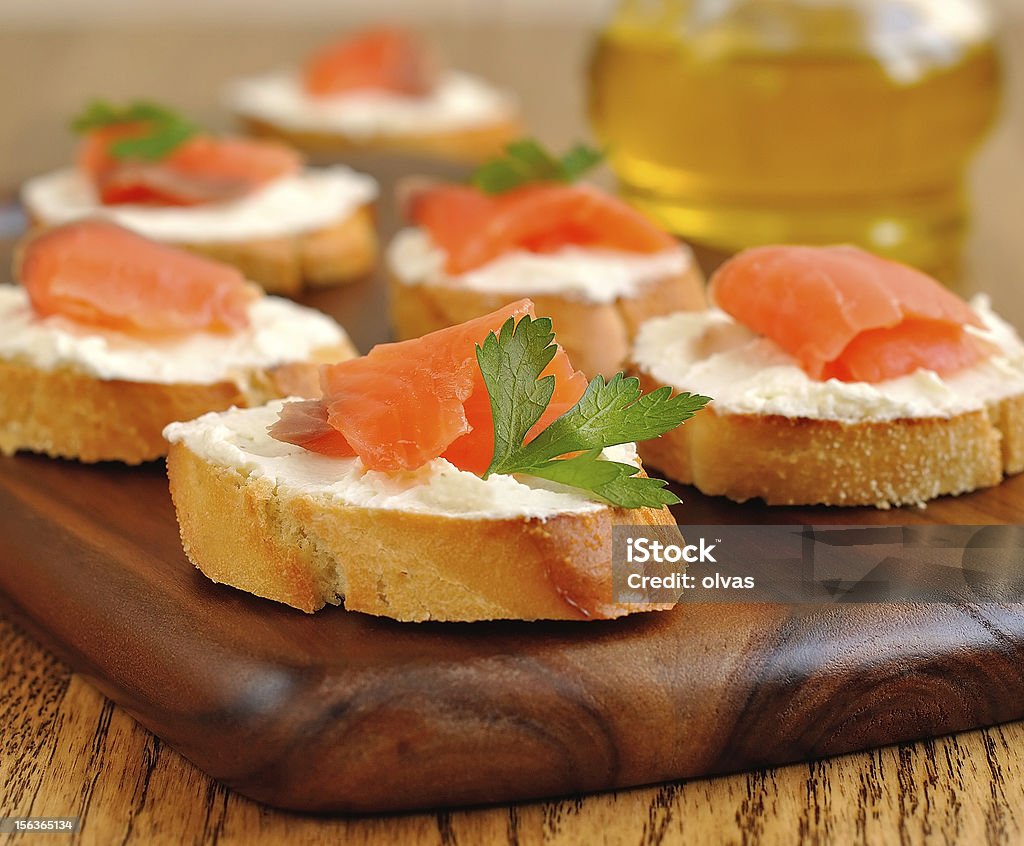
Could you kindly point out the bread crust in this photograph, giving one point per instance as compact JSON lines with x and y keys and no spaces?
{"x":307,"y":551}
{"x":803,"y":461}
{"x":335,"y":254}
{"x":471,"y":146}
{"x":596,"y":336}
{"x":67,"y":413}
{"x":338,"y":253}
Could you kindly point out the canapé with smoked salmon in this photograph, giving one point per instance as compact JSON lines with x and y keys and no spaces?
{"x":111,"y":336}
{"x":382,"y":88}
{"x":246,"y":202}
{"x":841,"y":378}
{"x":470,"y":474}
{"x":526,"y":228}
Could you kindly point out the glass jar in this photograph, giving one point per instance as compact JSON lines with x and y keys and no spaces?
{"x":744,"y":122}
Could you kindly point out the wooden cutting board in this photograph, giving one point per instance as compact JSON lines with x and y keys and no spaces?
{"x":339,"y":711}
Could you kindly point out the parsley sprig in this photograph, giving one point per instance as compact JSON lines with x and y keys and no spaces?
{"x":607,"y":414}
{"x":527,"y":161}
{"x":164,"y":130}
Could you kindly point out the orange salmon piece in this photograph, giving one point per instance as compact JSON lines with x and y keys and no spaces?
{"x":540,"y":218}
{"x":383,"y":59}
{"x":100,"y":274}
{"x":448,"y":212}
{"x":405,"y":404}
{"x":847,"y":314}
{"x":201,"y":170}
{"x":304,"y":423}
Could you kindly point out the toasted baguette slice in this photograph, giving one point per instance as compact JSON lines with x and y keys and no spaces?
{"x":596,"y":335}
{"x":469,"y":145}
{"x":801,"y":461}
{"x":336,"y":254}
{"x":307,"y":548}
{"x":809,"y":460}
{"x":68,"y":413}
{"x":313,"y":228}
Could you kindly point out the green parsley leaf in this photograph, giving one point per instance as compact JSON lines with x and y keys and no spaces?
{"x":166,"y":129}
{"x":512,"y":362}
{"x":98,"y":113}
{"x":607,"y":414}
{"x":613,"y":413}
{"x":533,"y":159}
{"x":612,"y":481}
{"x":579,"y":160}
{"x":153,"y":148}
{"x":527,"y":161}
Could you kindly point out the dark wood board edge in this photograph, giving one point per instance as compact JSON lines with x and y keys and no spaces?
{"x":461,"y":715}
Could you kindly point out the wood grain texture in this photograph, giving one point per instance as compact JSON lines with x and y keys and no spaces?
{"x":67,"y":750}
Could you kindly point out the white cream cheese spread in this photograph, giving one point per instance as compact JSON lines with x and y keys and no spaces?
{"x":708,"y":352}
{"x":238,"y":438}
{"x":280,"y":331}
{"x":312,"y":199}
{"x":458,"y":101}
{"x":584,"y":273}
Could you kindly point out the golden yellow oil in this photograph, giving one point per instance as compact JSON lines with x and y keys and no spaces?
{"x":731,"y":145}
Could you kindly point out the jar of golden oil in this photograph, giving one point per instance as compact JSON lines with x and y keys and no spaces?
{"x":744,"y":122}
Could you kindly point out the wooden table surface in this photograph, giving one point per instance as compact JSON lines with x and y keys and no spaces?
{"x":65,"y":750}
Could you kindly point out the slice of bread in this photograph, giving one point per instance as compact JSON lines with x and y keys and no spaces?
{"x":802,"y":459}
{"x":307,"y":546}
{"x":68,"y":413}
{"x":336,"y":254}
{"x":596,"y":335}
{"x":469,"y":145}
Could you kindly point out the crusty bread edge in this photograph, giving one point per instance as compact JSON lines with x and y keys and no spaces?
{"x":339,"y":252}
{"x":803,"y":461}
{"x":469,"y":145}
{"x":67,"y":413}
{"x":596,"y":336}
{"x":306,"y":551}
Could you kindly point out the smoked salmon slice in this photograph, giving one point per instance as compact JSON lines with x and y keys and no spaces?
{"x":383,"y":59}
{"x":405,"y":404}
{"x":98,"y":273}
{"x":844,"y":313}
{"x":474,"y":228}
{"x":202,"y":169}
{"x":304,"y":423}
